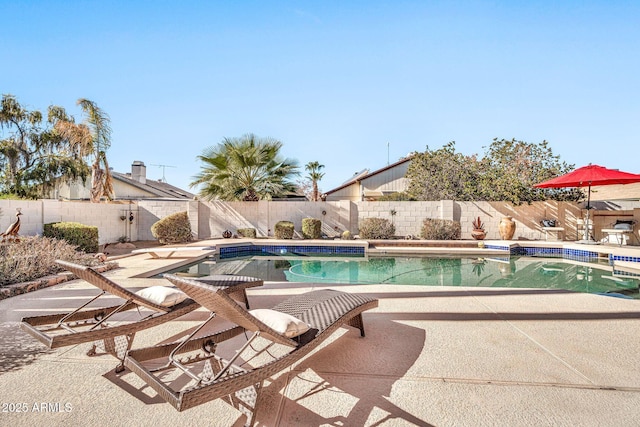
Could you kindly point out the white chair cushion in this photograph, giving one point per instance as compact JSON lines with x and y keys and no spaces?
{"x":165,"y":296}
{"x":623,"y":226}
{"x":283,"y":323}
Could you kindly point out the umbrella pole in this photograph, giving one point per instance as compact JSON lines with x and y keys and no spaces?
{"x":586,"y":227}
{"x":586,"y":224}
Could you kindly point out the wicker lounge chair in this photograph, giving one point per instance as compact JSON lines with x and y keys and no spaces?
{"x":239,"y":379}
{"x":116,"y":336}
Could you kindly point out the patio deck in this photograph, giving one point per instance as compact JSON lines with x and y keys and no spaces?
{"x":432,"y":356}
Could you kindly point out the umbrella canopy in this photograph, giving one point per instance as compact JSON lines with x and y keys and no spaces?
{"x":587,"y":176}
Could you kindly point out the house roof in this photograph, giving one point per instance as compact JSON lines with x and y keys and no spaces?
{"x":157,"y":188}
{"x":361,"y":176}
{"x":356,"y":176}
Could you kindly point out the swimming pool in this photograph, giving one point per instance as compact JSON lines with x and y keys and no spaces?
{"x":508,"y":272}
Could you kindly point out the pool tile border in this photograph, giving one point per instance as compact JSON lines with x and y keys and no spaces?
{"x":234,"y":251}
{"x":360,"y":248}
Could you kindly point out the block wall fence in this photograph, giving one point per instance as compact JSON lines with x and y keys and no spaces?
{"x":210,"y":219}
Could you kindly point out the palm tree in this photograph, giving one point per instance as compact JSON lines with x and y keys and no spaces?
{"x":314,"y":175}
{"x":91,"y":138}
{"x":247,"y":168}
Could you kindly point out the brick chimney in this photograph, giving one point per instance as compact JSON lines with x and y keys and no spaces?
{"x":139,"y":172}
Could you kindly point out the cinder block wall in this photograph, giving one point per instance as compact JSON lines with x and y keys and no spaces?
{"x":150,"y":211}
{"x":336,"y":217}
{"x":36,"y":213}
{"x":406,"y":216}
{"x":210,"y":219}
{"x":31,"y":219}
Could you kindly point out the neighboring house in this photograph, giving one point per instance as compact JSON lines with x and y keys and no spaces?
{"x":373,"y":185}
{"x":126,"y":186}
{"x":365,"y":185}
{"x":616,"y":192}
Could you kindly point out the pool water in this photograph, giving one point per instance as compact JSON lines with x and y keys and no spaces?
{"x":513,"y":272}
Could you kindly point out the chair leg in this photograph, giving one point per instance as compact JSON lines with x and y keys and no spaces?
{"x":357,"y":322}
{"x":116,"y":346}
{"x":246,"y":401}
{"x":92,"y":351}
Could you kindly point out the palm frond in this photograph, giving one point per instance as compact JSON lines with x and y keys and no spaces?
{"x":246,"y":168}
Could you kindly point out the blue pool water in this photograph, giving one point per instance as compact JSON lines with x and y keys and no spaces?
{"x":513,"y":272}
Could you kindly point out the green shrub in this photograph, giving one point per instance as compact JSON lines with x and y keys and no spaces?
{"x":34,"y":257}
{"x":346,"y":235}
{"x":84,"y":237}
{"x":311,"y":228}
{"x":396,"y":197}
{"x":174,"y":228}
{"x":284,"y":230}
{"x":440,"y":229}
{"x":376,"y":228}
{"x":247,"y":232}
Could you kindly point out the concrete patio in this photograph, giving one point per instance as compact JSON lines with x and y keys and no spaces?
{"x":439,"y":356}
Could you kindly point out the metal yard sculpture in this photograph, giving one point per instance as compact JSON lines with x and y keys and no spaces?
{"x":14,"y":228}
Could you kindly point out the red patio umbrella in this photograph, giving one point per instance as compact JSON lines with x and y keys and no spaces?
{"x":587,"y":176}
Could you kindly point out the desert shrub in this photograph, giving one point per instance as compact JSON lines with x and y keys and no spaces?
{"x":34,"y":257}
{"x":284,"y":230}
{"x":311,"y":228}
{"x":84,"y":237}
{"x":376,"y":228}
{"x":440,"y":229}
{"x":247,"y":232}
{"x":174,"y":228}
{"x":346,"y":235}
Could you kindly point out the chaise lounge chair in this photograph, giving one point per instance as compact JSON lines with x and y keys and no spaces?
{"x":299,"y":324}
{"x":155,"y":305}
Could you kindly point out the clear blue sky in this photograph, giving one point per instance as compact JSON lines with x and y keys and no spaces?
{"x":350,"y":84}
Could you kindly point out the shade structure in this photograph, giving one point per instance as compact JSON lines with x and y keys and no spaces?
{"x":588,"y":176}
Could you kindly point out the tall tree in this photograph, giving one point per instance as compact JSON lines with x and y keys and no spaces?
{"x":442,"y":174}
{"x":510,"y":168}
{"x":91,"y":138}
{"x":314,"y":176}
{"x":23,"y":126}
{"x":248,"y":168}
{"x":507,"y":172}
{"x":33,"y":154}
